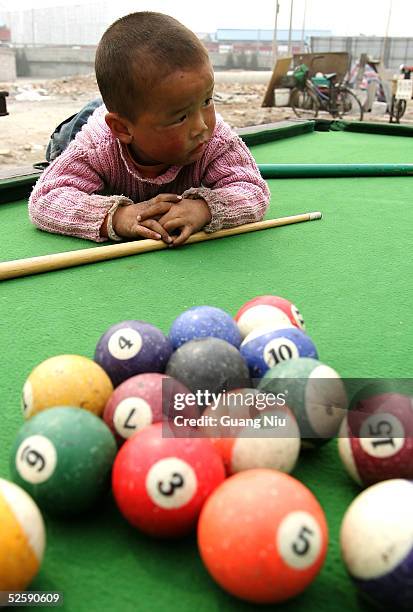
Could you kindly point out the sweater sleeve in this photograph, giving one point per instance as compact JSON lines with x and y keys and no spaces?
{"x":66,"y":200}
{"x":232,"y":187}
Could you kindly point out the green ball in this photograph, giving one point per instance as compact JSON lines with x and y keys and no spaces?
{"x":314,"y":392}
{"x":63,"y":458}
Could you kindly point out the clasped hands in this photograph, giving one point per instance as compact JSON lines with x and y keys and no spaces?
{"x":167,"y":217}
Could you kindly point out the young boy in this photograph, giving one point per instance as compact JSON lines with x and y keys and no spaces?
{"x":170,"y":165}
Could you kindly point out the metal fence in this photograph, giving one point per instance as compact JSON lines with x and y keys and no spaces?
{"x":392,"y":51}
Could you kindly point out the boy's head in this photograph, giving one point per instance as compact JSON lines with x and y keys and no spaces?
{"x":157,"y":83}
{"x":136,"y":52}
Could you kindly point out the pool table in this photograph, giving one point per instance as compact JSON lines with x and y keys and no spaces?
{"x":349,"y":273}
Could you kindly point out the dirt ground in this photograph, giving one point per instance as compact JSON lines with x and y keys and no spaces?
{"x":35,"y":107}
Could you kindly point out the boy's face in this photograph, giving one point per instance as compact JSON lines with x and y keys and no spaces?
{"x":179,"y":119}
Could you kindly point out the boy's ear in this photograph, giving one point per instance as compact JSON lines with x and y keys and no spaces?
{"x":119,"y":127}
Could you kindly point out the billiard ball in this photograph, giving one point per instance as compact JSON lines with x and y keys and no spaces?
{"x":314,"y":392}
{"x":203,"y":322}
{"x":145,"y":399}
{"x":22,"y":537}
{"x":376,"y":437}
{"x":208,"y":365}
{"x":272,"y":441}
{"x":62,"y":457}
{"x":250,"y":429}
{"x":267,"y":310}
{"x":132,"y":347}
{"x":263,"y":351}
{"x":66,"y":380}
{"x":262,"y":536}
{"x":376,"y":540}
{"x":160,"y":483}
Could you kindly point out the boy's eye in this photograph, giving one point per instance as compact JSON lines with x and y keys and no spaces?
{"x":208,"y":101}
{"x":179,"y":120}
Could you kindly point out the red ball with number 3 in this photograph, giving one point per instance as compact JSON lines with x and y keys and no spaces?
{"x":161,"y":483}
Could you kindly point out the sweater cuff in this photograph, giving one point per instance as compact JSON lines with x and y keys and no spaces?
{"x":106,"y":205}
{"x":215,"y":205}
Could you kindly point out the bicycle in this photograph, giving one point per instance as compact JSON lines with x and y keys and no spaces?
{"x":308,"y":99}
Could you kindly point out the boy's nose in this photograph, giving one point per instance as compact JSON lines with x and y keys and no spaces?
{"x":198,"y":126}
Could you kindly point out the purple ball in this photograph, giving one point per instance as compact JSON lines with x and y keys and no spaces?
{"x":132,"y":347}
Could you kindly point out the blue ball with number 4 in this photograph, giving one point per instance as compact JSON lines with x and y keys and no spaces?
{"x":130,"y":348}
{"x":264,"y":349}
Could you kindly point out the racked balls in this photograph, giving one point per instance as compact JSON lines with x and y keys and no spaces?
{"x":132,"y":347}
{"x":263,"y":351}
{"x":66,"y":380}
{"x":314,"y":392}
{"x":267,"y":311}
{"x":208,"y":364}
{"x":376,"y":540}
{"x":62,"y":457}
{"x":376,"y":437}
{"x":22,"y":538}
{"x":204,"y":322}
{"x":160,"y":484}
{"x":262,"y":536}
{"x":145,"y":399}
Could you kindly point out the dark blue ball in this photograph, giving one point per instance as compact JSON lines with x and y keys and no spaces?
{"x":204,"y":322}
{"x":262,"y":352}
{"x":132,"y":347}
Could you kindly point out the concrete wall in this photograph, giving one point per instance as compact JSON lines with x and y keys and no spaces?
{"x":54,"y":62}
{"x":7,"y":65}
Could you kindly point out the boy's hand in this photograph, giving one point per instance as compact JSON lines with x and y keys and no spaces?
{"x":127,"y":222}
{"x":186,"y":218}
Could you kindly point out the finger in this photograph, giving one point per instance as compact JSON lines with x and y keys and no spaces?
{"x":167,"y":217}
{"x":158,"y":205}
{"x":156,"y":227}
{"x":168,"y":197}
{"x":156,"y":209}
{"x":145,"y":232}
{"x":182,"y":237}
{"x":171,"y":225}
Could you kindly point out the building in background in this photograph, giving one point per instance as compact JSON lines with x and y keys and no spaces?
{"x":61,"y":41}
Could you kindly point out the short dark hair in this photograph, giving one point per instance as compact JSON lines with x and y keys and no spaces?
{"x":136,"y":52}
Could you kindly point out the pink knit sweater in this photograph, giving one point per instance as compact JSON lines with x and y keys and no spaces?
{"x":71,"y":195}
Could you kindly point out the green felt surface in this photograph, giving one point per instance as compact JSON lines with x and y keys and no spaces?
{"x":350,"y":275}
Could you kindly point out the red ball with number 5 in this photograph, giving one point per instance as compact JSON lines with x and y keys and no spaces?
{"x":161,"y":483}
{"x":263,"y":536}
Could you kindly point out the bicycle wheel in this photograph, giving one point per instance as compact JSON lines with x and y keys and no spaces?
{"x":400,"y":109}
{"x":304,"y":103}
{"x":348,"y":104}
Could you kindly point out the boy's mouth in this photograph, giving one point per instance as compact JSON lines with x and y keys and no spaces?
{"x":200,"y":147}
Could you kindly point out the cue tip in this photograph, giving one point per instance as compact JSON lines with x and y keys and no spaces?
{"x":315,"y":215}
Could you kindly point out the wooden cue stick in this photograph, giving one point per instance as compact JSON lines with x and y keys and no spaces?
{"x":57,"y":261}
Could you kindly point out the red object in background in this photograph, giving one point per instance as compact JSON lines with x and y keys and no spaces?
{"x":5,"y":34}
{"x":160,"y":484}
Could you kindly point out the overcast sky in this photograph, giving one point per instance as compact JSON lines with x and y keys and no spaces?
{"x":342,"y":17}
